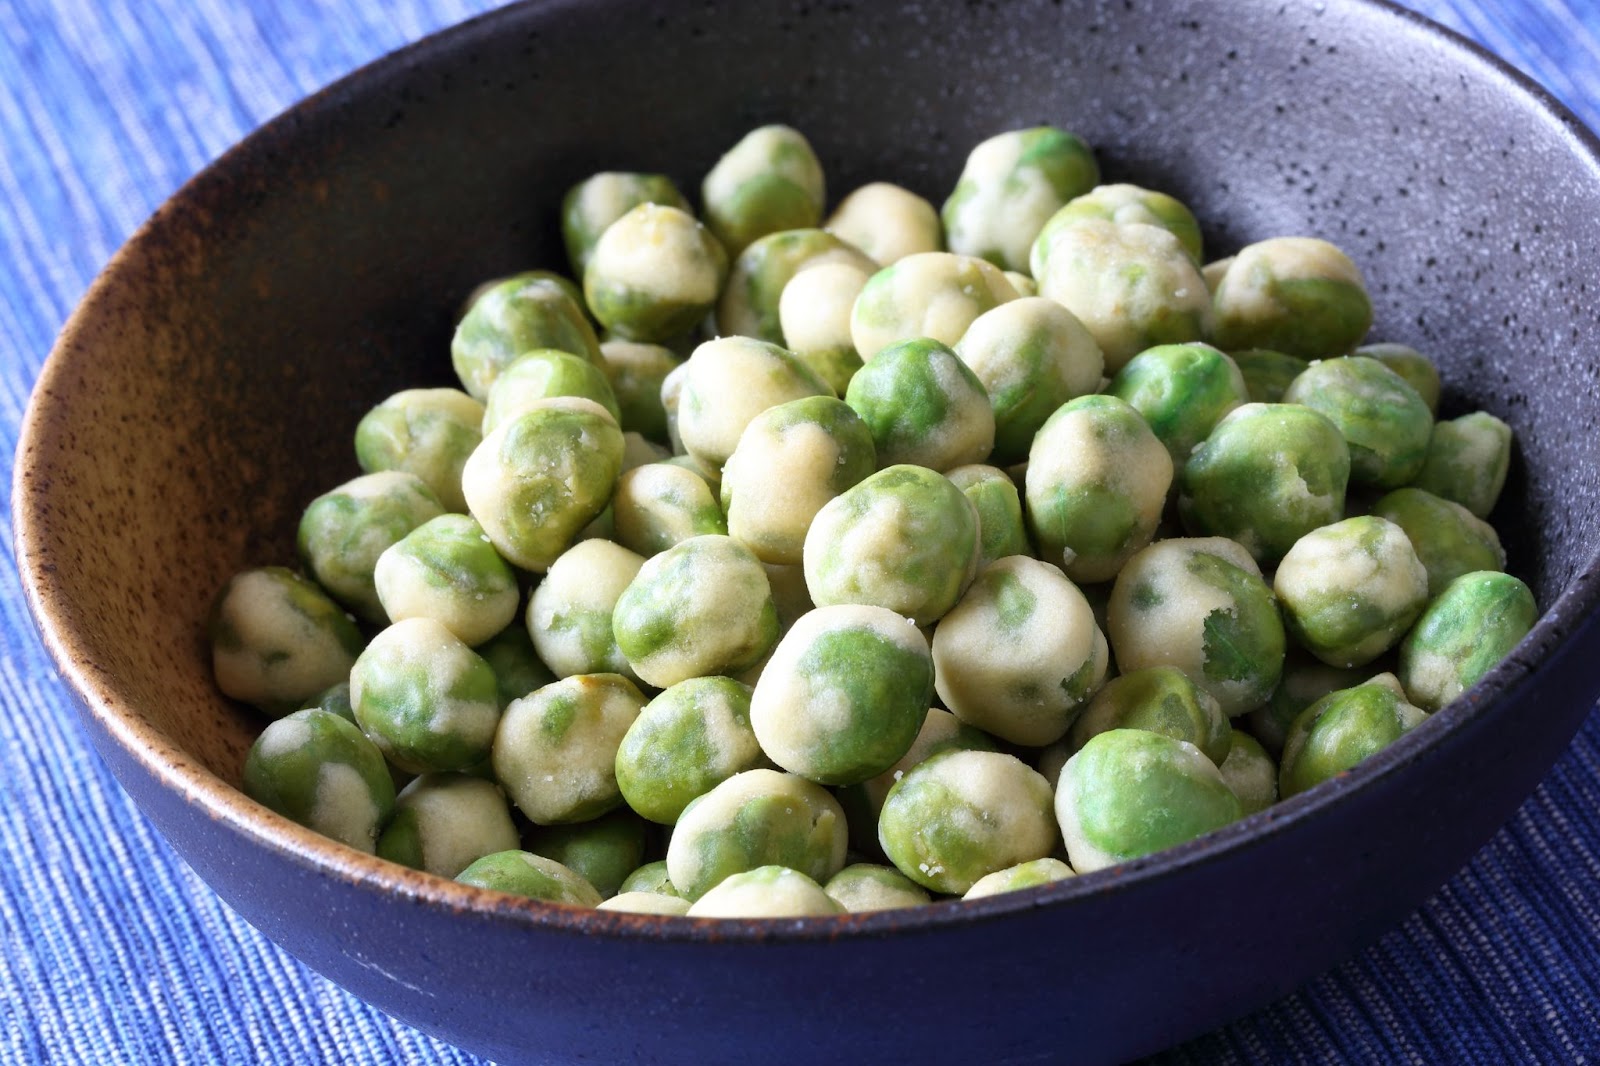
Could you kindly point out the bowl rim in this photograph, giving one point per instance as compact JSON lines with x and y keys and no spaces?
{"x":176,"y":770}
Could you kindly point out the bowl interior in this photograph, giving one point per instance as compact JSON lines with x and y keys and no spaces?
{"x":210,"y":384}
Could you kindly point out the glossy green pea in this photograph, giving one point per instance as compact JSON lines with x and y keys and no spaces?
{"x":1383,"y":420}
{"x":1343,"y":728}
{"x":1464,"y":633}
{"x":517,"y":315}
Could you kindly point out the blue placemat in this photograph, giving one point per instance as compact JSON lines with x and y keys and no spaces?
{"x":111,"y":951}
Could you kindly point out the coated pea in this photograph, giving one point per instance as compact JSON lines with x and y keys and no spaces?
{"x":277,"y":640}
{"x":444,"y":822}
{"x":769,"y":181}
{"x":591,"y":206}
{"x":447,"y":570}
{"x":1342,"y":729}
{"x":556,"y":749}
{"x":426,"y":432}
{"x":1449,"y":539}
{"x":1124,"y":205}
{"x":570,"y":612}
{"x":1030,"y":874}
{"x":887,"y":222}
{"x":1464,"y":633}
{"x":1467,"y":461}
{"x":662,"y":504}
{"x":1183,"y":391}
{"x":522,"y":873}
{"x":814,"y":316}
{"x":1416,"y":369}
{"x":1161,"y":699}
{"x":765,"y":892}
{"x":343,"y":531}
{"x":515,"y":316}
{"x":1001,"y":528}
{"x":542,"y":374}
{"x":937,"y":295}
{"x":689,"y":739}
{"x":1267,"y":374}
{"x":864,"y":887}
{"x":603,"y":851}
{"x":1297,"y":295}
{"x":1383,"y":420}
{"x":654,"y":274}
{"x":752,"y":302}
{"x":636,"y":371}
{"x":1011,"y":185}
{"x":318,"y":769}
{"x":728,"y":382}
{"x":923,"y":405}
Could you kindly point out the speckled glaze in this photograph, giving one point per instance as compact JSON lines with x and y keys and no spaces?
{"x":211,"y":381}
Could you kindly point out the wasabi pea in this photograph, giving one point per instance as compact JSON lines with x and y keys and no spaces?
{"x":1449,"y":539}
{"x":636,"y":372}
{"x":752,"y":302}
{"x":603,"y":851}
{"x":424,"y":698}
{"x":887,"y":222}
{"x":573,"y":290}
{"x":1160,"y":699}
{"x":1133,"y":287}
{"x":1343,"y":728}
{"x":516,"y":316}
{"x":1306,"y":679}
{"x":1024,"y":284}
{"x":1416,"y":369}
{"x":645,"y":903}
{"x":1012,"y":183}
{"x":1467,"y":461}
{"x":651,"y":878}
{"x":1350,"y":590}
{"x":791,"y":460}
{"x":316,"y":768}
{"x":843,"y":695}
{"x":864,"y":887}
{"x":1267,"y":374}
{"x":1130,"y":793}
{"x":753,"y":819}
{"x":686,"y":741}
{"x":1031,"y":355}
{"x":516,"y":665}
{"x":447,"y":570}
{"x":1250,"y":773}
{"x":570,"y":613}
{"x":923,"y":405}
{"x":662,"y":504}
{"x":335,"y":699}
{"x":769,"y":181}
{"x":937,"y":295}
{"x":992,"y":493}
{"x":728,"y":382}
{"x":540,"y":375}
{"x":342,"y":533}
{"x":765,"y":892}
{"x":538,"y":479}
{"x":1200,"y":605}
{"x":1183,"y":391}
{"x":1464,"y":633}
{"x":1123,"y":205}
{"x":277,"y":640}
{"x":814,"y":316}
{"x":1297,"y":295}
{"x":1020,"y":655}
{"x":444,"y":822}
{"x":962,"y":815}
{"x":522,"y":873}
{"x":592,"y":205}
{"x":1268,"y":474}
{"x":1096,"y":482}
{"x":905,"y":539}
{"x":1023,"y":875}
{"x":1214,"y":272}
{"x":701,"y":607}
{"x":654,"y":274}
{"x":426,"y":432}
{"x":637,"y":452}
{"x":556,"y":749}
{"x":1384,"y":421}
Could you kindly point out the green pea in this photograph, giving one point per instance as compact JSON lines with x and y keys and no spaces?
{"x":1267,"y":374}
{"x":864,"y":887}
{"x":663,"y":504}
{"x":814,"y":316}
{"x":1350,"y":590}
{"x":887,"y":222}
{"x":1467,"y":461}
{"x":556,"y":749}
{"x":1268,"y":474}
{"x":1250,"y":773}
{"x":689,"y":739}
{"x":727,"y":383}
{"x":1386,"y":424}
{"x":522,"y":873}
{"x":426,"y":432}
{"x":1449,"y":539}
{"x":765,"y":892}
{"x":1306,"y":679}
{"x":443,"y":822}
{"x":654,"y":274}
{"x":1183,"y":391}
{"x":1131,"y":792}
{"x":937,"y":295}
{"x":573,"y":290}
{"x":645,"y":903}
{"x":1031,"y":355}
{"x":1123,"y":205}
{"x":591,"y":206}
{"x":603,"y":851}
{"x":1011,"y":185}
{"x":1001,"y":528}
{"x":1416,"y":369}
{"x":1016,"y":878}
{"x":636,"y":372}
{"x":277,"y":640}
{"x":652,"y":878}
{"x":516,"y":316}
{"x":905,"y":539}
{"x":769,"y":181}
{"x":1343,"y":728}
{"x":517,"y":667}
{"x":1297,"y":295}
{"x":343,"y":531}
{"x":570,"y":612}
{"x":541,"y":375}
{"x":1095,"y":487}
{"x":752,"y":302}
{"x":424,"y":698}
{"x":1161,"y":699}
{"x":335,"y":699}
{"x":1464,"y":633}
{"x":447,"y":570}
{"x":317,"y":769}
{"x":1024,"y":284}
{"x":923,"y":405}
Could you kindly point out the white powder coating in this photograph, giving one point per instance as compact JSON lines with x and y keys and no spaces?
{"x":1087,"y":273}
{"x":473,"y":610}
{"x":814,"y":309}
{"x":645,"y":903}
{"x":930,"y":294}
{"x":965,"y":435}
{"x":717,"y":811}
{"x":344,"y":808}
{"x":768,"y":150}
{"x":887,"y":222}
{"x":727,"y":383}
{"x":765,"y":892}
{"x":1005,"y":204}
{"x":791,"y":709}
{"x":282,"y":737}
{"x":1011,"y":679}
{"x":661,"y":251}
{"x":1435,"y":679}
{"x":421,"y":649}
{"x":570,"y":777}
{"x":754,"y":271}
{"x":1001,"y":343}
{"x":459,"y":819}
{"x":577,"y":596}
{"x":1246,"y":288}
{"x":258,"y":610}
{"x":775,"y":482}
{"x":604,"y":198}
{"x":1330,"y":563}
{"x":717,"y":615}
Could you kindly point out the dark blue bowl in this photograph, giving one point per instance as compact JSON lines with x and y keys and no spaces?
{"x":210,"y":382}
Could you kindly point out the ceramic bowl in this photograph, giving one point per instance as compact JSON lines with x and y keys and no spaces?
{"x":209,"y":385}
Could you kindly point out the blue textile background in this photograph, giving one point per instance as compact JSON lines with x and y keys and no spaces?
{"x":112,"y":951}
